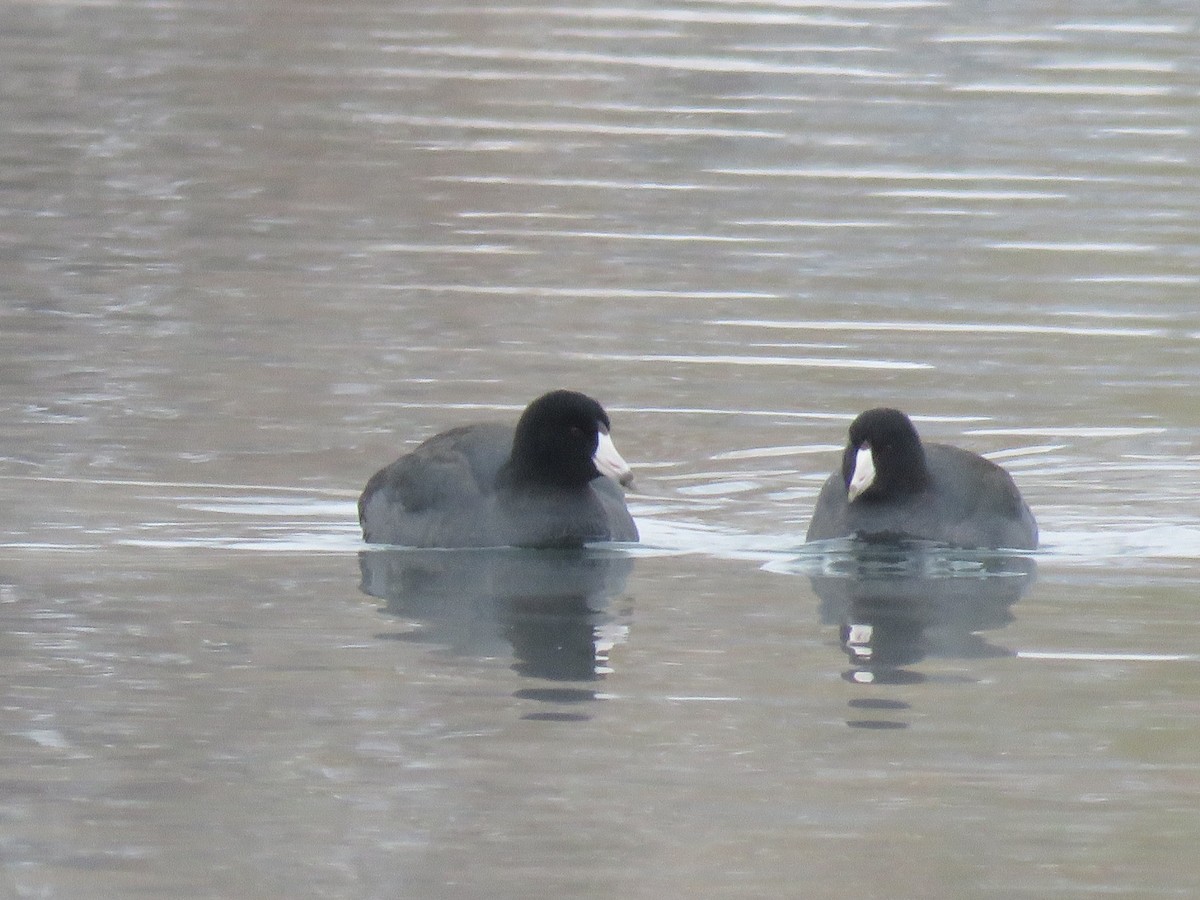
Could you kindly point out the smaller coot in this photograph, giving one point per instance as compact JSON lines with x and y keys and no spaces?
{"x":893,"y":486}
{"x":489,"y":485}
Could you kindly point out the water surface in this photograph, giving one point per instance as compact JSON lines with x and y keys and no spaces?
{"x":252,"y":253}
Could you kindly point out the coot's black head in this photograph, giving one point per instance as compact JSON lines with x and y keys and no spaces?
{"x":562,"y":440}
{"x":884,"y":457}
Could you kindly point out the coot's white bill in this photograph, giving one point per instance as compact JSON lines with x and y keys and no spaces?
{"x":609,"y":462}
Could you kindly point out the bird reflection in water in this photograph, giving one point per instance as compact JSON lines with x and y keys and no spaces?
{"x":549,"y":610}
{"x":897,"y":603}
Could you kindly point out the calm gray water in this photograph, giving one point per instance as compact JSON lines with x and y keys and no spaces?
{"x":250,"y":252}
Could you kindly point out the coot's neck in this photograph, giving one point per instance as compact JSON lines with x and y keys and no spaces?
{"x":524,"y":473}
{"x":905,"y":473}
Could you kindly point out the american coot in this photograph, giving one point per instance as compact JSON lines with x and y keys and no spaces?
{"x":890,"y":485}
{"x":490,"y":485}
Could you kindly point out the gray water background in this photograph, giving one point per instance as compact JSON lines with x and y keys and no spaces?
{"x":250,"y":252}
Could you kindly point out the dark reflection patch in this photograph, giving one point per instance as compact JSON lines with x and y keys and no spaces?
{"x":877,"y":724}
{"x":556,"y":695}
{"x":876,"y":703}
{"x":555,"y":717}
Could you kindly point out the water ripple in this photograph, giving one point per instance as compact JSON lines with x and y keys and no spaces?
{"x":812,"y":362}
{"x":619,"y":235}
{"x":1064,"y":90}
{"x":721,"y":64}
{"x":379,"y":118}
{"x":890,"y":173}
{"x":930,"y":327}
{"x":581,"y":182}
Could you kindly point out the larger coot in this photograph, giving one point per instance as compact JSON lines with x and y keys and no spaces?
{"x":488,"y":485}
